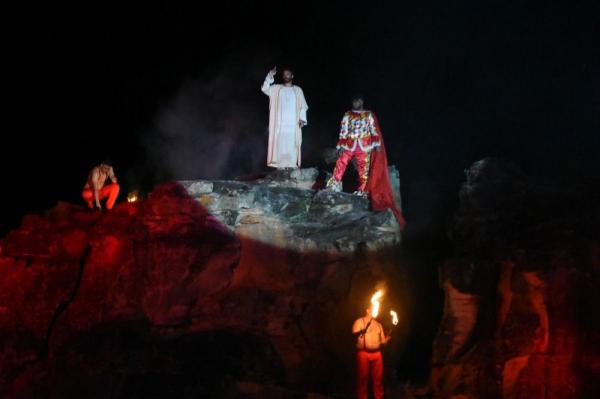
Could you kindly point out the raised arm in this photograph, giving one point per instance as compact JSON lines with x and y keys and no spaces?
{"x":266,"y":87}
{"x":357,"y":328}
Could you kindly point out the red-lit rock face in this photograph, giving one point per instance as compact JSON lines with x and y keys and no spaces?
{"x":520,"y":318}
{"x":171,"y":301}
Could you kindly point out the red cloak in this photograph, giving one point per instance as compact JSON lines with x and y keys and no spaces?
{"x":378,"y":185}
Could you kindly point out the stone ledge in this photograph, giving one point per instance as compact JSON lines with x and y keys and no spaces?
{"x":283,"y":209}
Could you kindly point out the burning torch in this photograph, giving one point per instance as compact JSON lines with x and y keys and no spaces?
{"x":394,"y":320}
{"x":376,"y":303}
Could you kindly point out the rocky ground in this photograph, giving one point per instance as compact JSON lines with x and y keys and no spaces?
{"x":248,"y":289}
{"x":283,"y":210}
{"x":203,"y":289}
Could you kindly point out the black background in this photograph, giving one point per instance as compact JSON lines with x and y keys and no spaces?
{"x":451,"y":84}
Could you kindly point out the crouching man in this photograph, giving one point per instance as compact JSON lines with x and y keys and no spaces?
{"x":96,"y":189}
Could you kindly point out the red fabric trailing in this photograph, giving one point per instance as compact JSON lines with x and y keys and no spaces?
{"x":379,"y":186}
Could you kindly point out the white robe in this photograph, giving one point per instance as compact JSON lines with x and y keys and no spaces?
{"x":287,"y":107}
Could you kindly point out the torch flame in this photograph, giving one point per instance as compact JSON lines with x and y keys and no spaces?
{"x":132,"y":197}
{"x":394,"y":317}
{"x":376,"y":303}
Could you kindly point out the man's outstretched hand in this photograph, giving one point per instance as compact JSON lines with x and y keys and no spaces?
{"x":273,"y":71}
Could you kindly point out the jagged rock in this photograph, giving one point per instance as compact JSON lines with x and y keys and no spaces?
{"x":299,"y":178}
{"x":281,"y":209}
{"x":163,"y":297}
{"x":198,"y":187}
{"x":329,"y":207}
{"x":520,"y":292}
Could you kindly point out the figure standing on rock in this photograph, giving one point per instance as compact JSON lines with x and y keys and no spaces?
{"x":287,"y":117}
{"x":95,"y":189}
{"x":360,"y":138}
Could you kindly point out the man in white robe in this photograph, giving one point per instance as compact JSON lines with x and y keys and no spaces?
{"x":287,"y":117}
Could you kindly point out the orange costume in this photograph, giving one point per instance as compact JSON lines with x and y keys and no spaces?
{"x":368,"y":356}
{"x":96,"y":181}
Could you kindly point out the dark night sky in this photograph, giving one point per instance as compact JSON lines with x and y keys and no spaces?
{"x":175,"y":92}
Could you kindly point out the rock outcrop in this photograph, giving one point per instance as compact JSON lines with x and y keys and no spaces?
{"x":283,"y":210}
{"x":521,"y":292}
{"x":241,"y":289}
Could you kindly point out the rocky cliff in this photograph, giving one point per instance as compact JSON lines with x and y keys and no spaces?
{"x":203,"y":289}
{"x":247,"y":289}
{"x":521,"y":292}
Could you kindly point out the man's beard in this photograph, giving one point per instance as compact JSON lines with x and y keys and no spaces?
{"x":287,"y":80}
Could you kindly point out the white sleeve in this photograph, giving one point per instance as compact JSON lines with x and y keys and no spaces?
{"x":266,"y":87}
{"x":303,"y":107}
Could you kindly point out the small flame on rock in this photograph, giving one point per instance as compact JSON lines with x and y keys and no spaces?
{"x":132,"y":196}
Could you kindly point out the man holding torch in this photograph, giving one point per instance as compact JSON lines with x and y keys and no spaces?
{"x":369,"y":338}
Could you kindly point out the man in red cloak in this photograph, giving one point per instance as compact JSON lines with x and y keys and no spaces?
{"x":361,"y":138}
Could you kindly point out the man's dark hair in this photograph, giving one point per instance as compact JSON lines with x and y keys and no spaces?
{"x":287,"y":69}
{"x":357,"y":96}
{"x":107,"y":162}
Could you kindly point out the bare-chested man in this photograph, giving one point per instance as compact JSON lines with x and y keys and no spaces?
{"x":95,"y":188}
{"x":369,"y":361}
